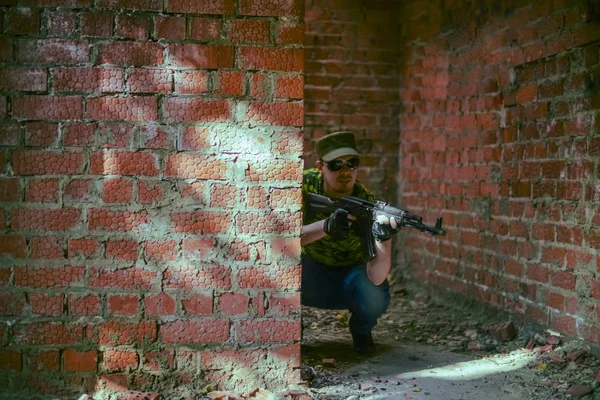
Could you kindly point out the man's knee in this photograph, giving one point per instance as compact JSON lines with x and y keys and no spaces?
{"x":366,"y":296}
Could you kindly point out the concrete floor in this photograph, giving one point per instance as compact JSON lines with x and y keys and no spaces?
{"x":424,"y":372}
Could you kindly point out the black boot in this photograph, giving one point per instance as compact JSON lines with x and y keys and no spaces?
{"x":363,"y":344}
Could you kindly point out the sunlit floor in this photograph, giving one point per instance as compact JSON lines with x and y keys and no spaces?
{"x":426,"y":372}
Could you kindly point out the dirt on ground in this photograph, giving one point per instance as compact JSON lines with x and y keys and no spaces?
{"x":421,"y":331}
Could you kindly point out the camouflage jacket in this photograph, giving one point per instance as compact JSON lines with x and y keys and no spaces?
{"x":330,"y":251}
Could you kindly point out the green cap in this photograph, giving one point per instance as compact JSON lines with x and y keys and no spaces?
{"x":336,"y":144}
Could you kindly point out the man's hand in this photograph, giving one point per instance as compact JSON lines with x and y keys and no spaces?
{"x":337,"y":224}
{"x":384,"y":227}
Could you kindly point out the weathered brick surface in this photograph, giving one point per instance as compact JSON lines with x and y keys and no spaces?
{"x":483,"y":144}
{"x":141,"y":142}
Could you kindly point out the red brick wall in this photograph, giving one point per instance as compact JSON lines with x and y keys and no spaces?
{"x":150,"y":193}
{"x":501,"y":136}
{"x":352,"y":82}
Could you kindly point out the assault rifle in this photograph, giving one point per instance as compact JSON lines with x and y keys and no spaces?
{"x":366,"y":212}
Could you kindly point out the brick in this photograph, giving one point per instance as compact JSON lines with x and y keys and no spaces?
{"x":285,"y":199}
{"x":249,"y":331}
{"x":203,"y":331}
{"x":48,"y":277}
{"x":285,"y":248}
{"x":57,"y":3}
{"x":187,"y":166}
{"x":79,"y":361}
{"x":205,"y":28}
{"x":257,"y":198}
{"x":41,"y":134}
{"x":290,"y":32}
{"x":193,"y":192}
{"x":190,"y":278}
{"x":123,"y":108}
{"x":77,"y":190}
{"x":276,"y":113}
{"x":271,"y":59}
{"x":268,"y":277}
{"x":124,"y":305}
{"x":10,"y":134}
{"x":88,"y":80}
{"x":233,"y":303}
{"x":248,"y":31}
{"x":225,"y":7}
{"x":225,"y":196}
{"x":199,"y":249}
{"x":289,"y":87}
{"x":134,"y":26}
{"x":11,"y":360}
{"x":10,"y":189}
{"x":63,"y":219}
{"x":96,"y":24}
{"x":267,"y":223}
{"x":150,"y":81}
{"x":198,"y":304}
{"x":42,"y":190}
{"x":161,"y":251}
{"x":200,"y":222}
{"x":261,"y":85}
{"x":118,"y":361}
{"x":23,"y":79}
{"x":6,"y":50}
{"x":47,"y":333}
{"x":135,"y":5}
{"x":564,"y":279}
{"x":12,"y":304}
{"x":123,"y":163}
{"x":43,"y":361}
{"x":169,"y":28}
{"x":160,"y":305}
{"x":196,"y":110}
{"x":150,"y":192}
{"x":290,"y":354}
{"x":53,"y":51}
{"x":60,"y":23}
{"x":258,"y":304}
{"x":84,"y":305}
{"x":42,"y":162}
{"x":114,"y":135}
{"x":284,"y":304}
{"x":230,"y":83}
{"x":135,"y":54}
{"x":46,"y":248}
{"x":158,"y":360}
{"x":48,"y":107}
{"x":116,"y":333}
{"x":503,"y":332}
{"x":117,"y":190}
{"x":274,"y":170}
{"x":78,"y":134}
{"x":133,"y":278}
{"x":120,"y":221}
{"x":279,"y":8}
{"x":84,"y":247}
{"x":22,"y":22}
{"x":191,"y":82}
{"x":125,"y":250}
{"x":50,"y":305}
{"x":191,"y":55}
{"x":152,"y":136}
{"x":12,"y":246}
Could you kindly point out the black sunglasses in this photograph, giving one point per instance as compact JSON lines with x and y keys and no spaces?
{"x":336,"y":165}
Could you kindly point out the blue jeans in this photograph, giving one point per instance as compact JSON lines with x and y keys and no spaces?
{"x":336,"y":288}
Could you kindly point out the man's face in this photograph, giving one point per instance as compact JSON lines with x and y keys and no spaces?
{"x":341,"y":182}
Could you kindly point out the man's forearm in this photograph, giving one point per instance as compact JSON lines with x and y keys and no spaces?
{"x":379,"y":267}
{"x":312,"y":233}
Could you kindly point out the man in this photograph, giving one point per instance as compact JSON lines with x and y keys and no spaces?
{"x":334,"y":273}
